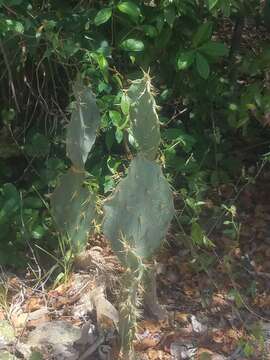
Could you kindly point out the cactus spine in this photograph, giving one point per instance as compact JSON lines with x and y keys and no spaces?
{"x":140,"y":210}
{"x":73,"y":204}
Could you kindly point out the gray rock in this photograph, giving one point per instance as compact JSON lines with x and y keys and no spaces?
{"x":181,"y":351}
{"x":59,"y":336}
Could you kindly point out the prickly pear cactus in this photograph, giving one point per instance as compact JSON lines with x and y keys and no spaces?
{"x":143,"y":117}
{"x":139,"y":212}
{"x":73,"y":205}
{"x":73,"y":208}
{"x":81,"y":131}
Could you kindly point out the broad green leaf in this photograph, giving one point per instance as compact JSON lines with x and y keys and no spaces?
{"x":116,"y":118}
{"x":212,"y":4}
{"x":32,"y":203}
{"x":132,"y":45}
{"x":203,"y":34}
{"x":103,"y":16}
{"x":214,"y":49}
{"x":202,"y":66}
{"x":185,"y":60}
{"x":38,"y":232}
{"x":125,"y":104}
{"x":129,"y":8}
{"x":119,"y":135}
{"x":38,"y":145}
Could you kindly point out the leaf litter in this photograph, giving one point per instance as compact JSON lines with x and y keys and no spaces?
{"x":218,"y":314}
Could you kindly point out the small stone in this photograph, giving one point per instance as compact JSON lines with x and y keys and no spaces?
{"x":182,"y":351}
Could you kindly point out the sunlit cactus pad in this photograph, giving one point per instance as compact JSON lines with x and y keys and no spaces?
{"x":81,"y":131}
{"x":137,"y":216}
{"x":143,"y":117}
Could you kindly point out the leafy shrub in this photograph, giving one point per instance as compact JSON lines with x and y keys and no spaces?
{"x":210,"y":79}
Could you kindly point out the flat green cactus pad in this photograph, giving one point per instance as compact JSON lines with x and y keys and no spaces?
{"x":144,"y":118}
{"x":73,"y":208}
{"x":138,"y":214}
{"x":81,"y":131}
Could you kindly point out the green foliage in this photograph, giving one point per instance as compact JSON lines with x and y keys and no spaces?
{"x":212,"y":101}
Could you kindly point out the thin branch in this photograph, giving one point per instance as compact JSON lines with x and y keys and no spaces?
{"x":9,"y":76}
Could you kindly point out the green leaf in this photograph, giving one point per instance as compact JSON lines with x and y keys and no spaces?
{"x":132,"y":45}
{"x":113,"y":164}
{"x":131,"y":9}
{"x":38,"y":232}
{"x":214,"y":49}
{"x":32,"y":203}
{"x":125,"y":104}
{"x":185,"y":60}
{"x":116,"y":118}
{"x":203,"y":34}
{"x":150,"y":31}
{"x":197,"y":234}
{"x":202,"y":66}
{"x":119,"y":135}
{"x":169,"y":13}
{"x":38,"y":146}
{"x":18,"y":27}
{"x":212,"y":4}
{"x":103,"y":16}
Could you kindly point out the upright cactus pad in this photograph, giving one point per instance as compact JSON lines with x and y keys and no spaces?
{"x":73,"y":208}
{"x":143,"y":117}
{"x":137,"y":216}
{"x":81,"y":131}
{"x":73,"y":205}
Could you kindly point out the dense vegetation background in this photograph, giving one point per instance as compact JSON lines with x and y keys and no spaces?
{"x":209,"y":60}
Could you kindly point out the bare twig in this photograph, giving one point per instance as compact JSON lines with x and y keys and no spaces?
{"x":9,"y":75}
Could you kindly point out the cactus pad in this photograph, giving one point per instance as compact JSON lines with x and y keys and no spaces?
{"x":81,"y":131}
{"x":73,"y":208}
{"x":144,"y":118}
{"x":137,"y":216}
